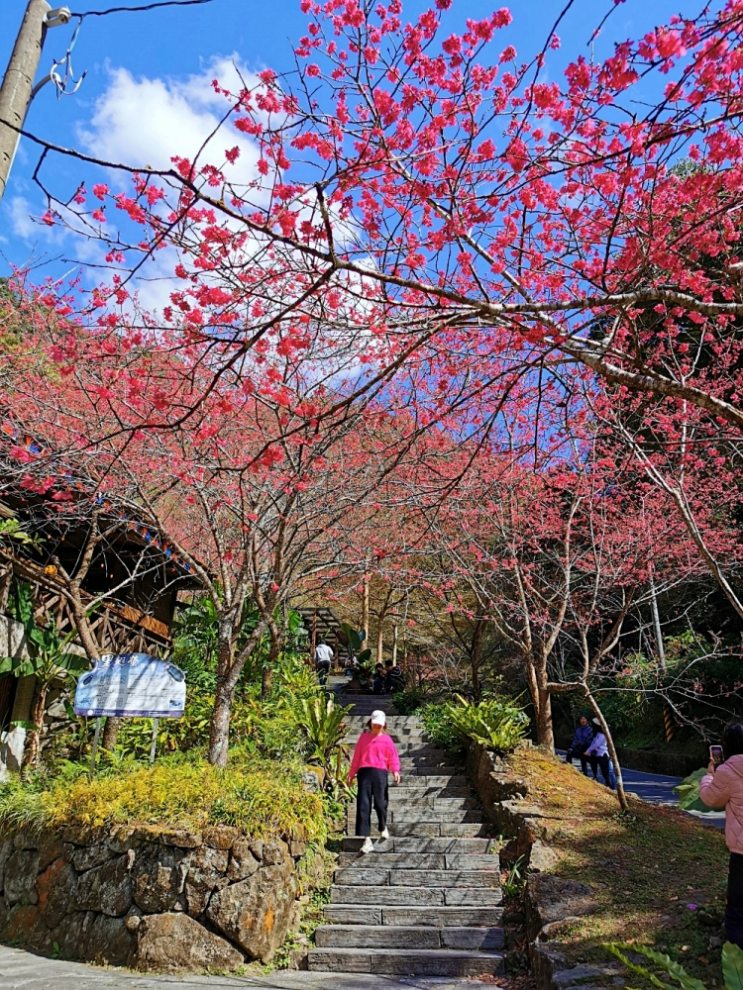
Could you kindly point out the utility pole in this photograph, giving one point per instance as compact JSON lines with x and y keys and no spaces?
{"x":17,"y":88}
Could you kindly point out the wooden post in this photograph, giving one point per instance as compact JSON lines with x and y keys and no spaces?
{"x":96,"y":741}
{"x":313,"y":635}
{"x":365,"y":606}
{"x":153,"y":745}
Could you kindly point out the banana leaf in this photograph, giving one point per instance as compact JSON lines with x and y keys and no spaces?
{"x":688,"y":792}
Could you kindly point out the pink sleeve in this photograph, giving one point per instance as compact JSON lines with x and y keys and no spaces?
{"x":356,"y":758}
{"x":393,"y":760}
{"x":714,"y":789}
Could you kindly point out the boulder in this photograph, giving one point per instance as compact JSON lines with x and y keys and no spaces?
{"x":23,"y":924}
{"x":207,"y":872}
{"x":56,"y":889}
{"x":19,"y":882}
{"x":6,"y":848}
{"x":106,"y":888}
{"x":243,"y":862}
{"x":52,"y":847}
{"x":275,"y":853}
{"x":106,"y":941}
{"x":172,"y":943}
{"x":88,"y":857}
{"x":256,"y":913}
{"x":221,"y":836}
{"x":157,"y":878}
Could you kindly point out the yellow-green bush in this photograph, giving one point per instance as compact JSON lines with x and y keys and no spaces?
{"x":261,"y":799}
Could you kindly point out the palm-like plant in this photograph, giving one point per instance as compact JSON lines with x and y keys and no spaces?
{"x":323,"y":724}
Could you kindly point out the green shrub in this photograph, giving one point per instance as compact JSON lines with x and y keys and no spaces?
{"x":260,"y":798}
{"x":407,"y":702}
{"x":496,"y":723}
{"x":439,"y":727}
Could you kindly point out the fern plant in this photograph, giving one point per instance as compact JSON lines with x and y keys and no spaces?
{"x":732,"y":967}
{"x":496,"y":723}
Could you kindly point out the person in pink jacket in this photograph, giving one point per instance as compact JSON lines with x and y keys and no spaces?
{"x":373,"y":757}
{"x":722,"y":787}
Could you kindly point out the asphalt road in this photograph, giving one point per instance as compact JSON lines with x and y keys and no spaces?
{"x":657,"y":788}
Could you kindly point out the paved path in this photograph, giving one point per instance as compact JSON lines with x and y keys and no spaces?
{"x":657,"y":788}
{"x":25,"y":971}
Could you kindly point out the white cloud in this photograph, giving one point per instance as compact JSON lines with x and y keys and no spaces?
{"x":20,"y":219}
{"x":140,"y":121}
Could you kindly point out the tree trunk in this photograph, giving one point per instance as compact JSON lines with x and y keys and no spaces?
{"x":33,"y":737}
{"x":365,"y":608}
{"x":219,"y":726}
{"x":621,"y":795}
{"x":272,"y":659}
{"x":659,"y":644}
{"x":545,"y":731}
{"x":110,"y":733}
{"x":227,"y":675}
{"x":541,"y":699}
{"x":380,"y":641}
{"x":475,"y":654}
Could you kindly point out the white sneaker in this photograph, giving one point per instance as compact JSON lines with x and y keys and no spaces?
{"x":384,"y":834}
{"x":368,"y":845}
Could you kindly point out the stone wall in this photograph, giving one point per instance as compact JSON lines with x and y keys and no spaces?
{"x":549,"y":901}
{"x":149,"y":899}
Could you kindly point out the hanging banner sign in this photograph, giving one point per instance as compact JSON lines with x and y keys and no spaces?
{"x":131,"y":684}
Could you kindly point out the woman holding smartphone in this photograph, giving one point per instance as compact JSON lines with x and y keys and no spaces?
{"x":722,"y":787}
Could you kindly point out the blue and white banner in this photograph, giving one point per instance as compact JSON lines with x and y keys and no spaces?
{"x":131,"y":684}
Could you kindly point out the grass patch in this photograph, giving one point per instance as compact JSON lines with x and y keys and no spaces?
{"x":657,"y":875}
{"x":262,"y":798}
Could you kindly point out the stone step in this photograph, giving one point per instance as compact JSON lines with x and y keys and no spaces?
{"x":424,"y":844}
{"x":380,"y":858}
{"x":433,"y":815}
{"x":407,"y":937}
{"x":435,"y":917}
{"x":400,"y":739}
{"x":378,"y":876}
{"x":468,"y":830}
{"x":400,"y":812}
{"x":420,"y":962}
{"x":411,"y":792}
{"x":400,"y":800}
{"x":416,"y":782}
{"x":411,"y":775}
{"x":399,"y":809}
{"x":435,"y":897}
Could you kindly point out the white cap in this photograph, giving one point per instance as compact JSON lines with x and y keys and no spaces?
{"x":378,"y":717}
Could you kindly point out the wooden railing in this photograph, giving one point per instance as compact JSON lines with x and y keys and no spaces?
{"x":117,"y":627}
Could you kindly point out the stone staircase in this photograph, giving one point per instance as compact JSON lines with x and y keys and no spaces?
{"x":427,"y":900}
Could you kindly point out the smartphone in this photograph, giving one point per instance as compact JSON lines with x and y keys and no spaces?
{"x":715,"y":754}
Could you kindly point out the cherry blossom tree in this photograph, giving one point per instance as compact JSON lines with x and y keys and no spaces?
{"x":440,"y":193}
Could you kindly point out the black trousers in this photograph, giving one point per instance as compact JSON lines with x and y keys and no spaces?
{"x":372,"y":785}
{"x":572,"y":754}
{"x":734,"y":909}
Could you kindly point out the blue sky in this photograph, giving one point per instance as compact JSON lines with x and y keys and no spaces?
{"x":146,"y":92}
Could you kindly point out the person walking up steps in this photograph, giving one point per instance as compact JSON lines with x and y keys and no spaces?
{"x":374,"y":756}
